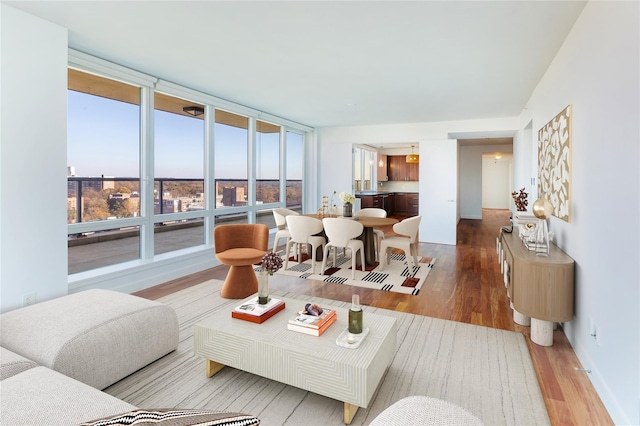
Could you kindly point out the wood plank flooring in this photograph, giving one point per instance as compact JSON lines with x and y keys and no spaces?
{"x":465,"y":285}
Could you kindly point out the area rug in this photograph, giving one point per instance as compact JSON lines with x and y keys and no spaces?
{"x":396,"y":276}
{"x":487,"y":371}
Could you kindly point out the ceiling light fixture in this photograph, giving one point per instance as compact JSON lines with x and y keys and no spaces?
{"x":413,"y":158}
{"x":193,"y":110}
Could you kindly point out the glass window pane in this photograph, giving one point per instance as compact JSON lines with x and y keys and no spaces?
{"x":176,"y":235}
{"x":231,"y":218}
{"x":267,"y":163}
{"x":103,"y":154}
{"x":92,"y":250}
{"x":266,"y":217}
{"x":295,"y":163}
{"x":179,"y":155}
{"x":231,"y":155}
{"x":357,"y":169}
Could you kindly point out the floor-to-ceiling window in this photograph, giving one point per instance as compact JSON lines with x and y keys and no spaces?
{"x":294,"y":170}
{"x":152,"y":170}
{"x":231,"y":165}
{"x":178,"y":195}
{"x":363,"y":163}
{"x":103,"y":157}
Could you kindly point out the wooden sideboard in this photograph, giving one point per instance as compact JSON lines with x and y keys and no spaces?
{"x":540,"y":287}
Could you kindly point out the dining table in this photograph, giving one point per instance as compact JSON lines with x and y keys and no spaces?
{"x":367,"y":236}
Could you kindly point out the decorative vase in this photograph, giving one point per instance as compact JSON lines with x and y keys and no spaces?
{"x":347,"y":209}
{"x":263,"y":287}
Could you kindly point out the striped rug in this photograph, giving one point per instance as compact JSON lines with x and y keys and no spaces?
{"x":487,"y":371}
{"x":396,"y":276}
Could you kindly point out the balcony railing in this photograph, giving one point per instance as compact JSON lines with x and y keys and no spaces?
{"x":171,"y":195}
{"x":90,"y":250}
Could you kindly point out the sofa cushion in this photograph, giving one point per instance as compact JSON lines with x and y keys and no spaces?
{"x":95,"y":336}
{"x":40,"y":396}
{"x":173,"y":417}
{"x":11,"y":363}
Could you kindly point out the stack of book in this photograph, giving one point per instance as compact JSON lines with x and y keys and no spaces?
{"x":253,"y":311}
{"x":532,"y":245}
{"x":311,"y":324}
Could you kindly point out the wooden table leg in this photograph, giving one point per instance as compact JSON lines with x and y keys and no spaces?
{"x":213,"y":367}
{"x":349,"y":412}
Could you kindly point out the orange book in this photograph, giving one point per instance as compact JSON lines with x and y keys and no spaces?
{"x":313,"y":331}
{"x":312,"y":321}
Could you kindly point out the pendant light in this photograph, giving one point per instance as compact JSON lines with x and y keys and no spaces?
{"x":413,"y":158}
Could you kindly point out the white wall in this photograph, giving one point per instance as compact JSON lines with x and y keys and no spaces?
{"x":496,"y":183}
{"x":472,"y":188}
{"x":597,"y":71}
{"x":33,"y":151}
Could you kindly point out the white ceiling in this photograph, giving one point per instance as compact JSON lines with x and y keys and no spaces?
{"x":330,"y":63}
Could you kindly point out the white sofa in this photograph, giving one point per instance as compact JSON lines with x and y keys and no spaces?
{"x":56,"y":356}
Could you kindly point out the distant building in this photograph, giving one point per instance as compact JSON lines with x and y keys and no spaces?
{"x":233,"y":196}
{"x":168,"y":206}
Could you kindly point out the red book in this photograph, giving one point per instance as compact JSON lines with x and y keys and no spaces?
{"x":254,"y":312}
{"x":313,"y":331}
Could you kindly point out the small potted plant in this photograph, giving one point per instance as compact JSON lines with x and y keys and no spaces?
{"x":271,"y":262}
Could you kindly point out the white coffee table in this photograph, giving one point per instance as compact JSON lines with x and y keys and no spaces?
{"x":315,"y":364}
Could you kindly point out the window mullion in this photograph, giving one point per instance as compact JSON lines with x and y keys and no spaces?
{"x":146,"y":173}
{"x":209,"y":173}
{"x":252,"y":164}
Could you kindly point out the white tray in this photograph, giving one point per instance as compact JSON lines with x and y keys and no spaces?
{"x":341,"y":340}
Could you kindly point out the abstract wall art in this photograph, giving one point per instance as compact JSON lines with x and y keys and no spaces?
{"x":554,"y":163}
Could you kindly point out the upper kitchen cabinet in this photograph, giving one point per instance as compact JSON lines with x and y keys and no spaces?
{"x":382,"y":168}
{"x":399,"y":170}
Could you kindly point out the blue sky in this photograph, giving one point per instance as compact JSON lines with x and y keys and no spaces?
{"x":103,"y":138}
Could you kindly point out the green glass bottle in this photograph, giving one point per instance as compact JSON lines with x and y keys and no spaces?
{"x":355,"y":315}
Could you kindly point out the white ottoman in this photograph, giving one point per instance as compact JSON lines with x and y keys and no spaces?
{"x":96,"y":336}
{"x":425,"y":411}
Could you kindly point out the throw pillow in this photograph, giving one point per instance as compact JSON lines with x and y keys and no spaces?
{"x":173,"y":417}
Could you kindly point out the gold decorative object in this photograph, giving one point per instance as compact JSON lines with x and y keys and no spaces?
{"x":542,"y":208}
{"x":554,"y":163}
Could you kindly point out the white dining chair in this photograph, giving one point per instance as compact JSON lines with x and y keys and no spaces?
{"x":343,"y":233}
{"x":304,"y":230}
{"x":406,"y":241}
{"x":373,"y":212}
{"x":280,"y":214}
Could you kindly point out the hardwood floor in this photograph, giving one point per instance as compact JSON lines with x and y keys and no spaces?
{"x":465,"y":285}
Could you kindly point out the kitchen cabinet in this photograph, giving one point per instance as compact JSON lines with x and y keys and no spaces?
{"x":401,"y":204}
{"x":391,"y":204}
{"x":399,"y":170}
{"x":382,"y":168}
{"x":369,"y":201}
{"x":406,"y":204}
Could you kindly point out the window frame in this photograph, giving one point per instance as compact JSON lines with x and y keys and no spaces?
{"x":147,"y":219}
